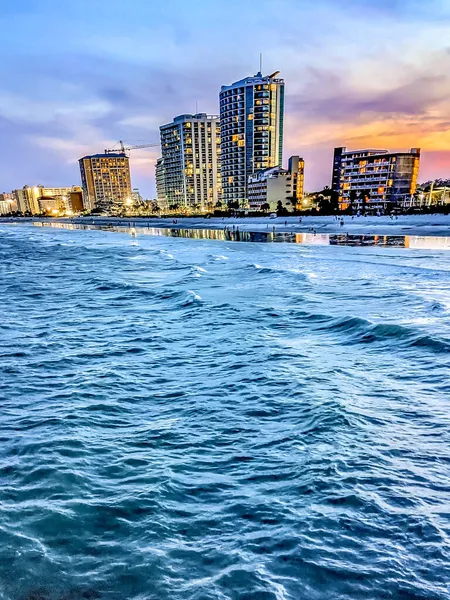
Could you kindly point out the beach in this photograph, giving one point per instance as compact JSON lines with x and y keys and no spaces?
{"x":416,"y":225}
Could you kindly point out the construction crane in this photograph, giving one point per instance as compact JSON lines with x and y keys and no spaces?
{"x":124,"y":149}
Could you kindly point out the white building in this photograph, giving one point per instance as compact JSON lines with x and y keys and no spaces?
{"x":251,"y":121}
{"x":188,"y":175}
{"x":270,"y":186}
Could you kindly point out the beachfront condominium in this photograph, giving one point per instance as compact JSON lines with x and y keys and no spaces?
{"x":251,"y":122}
{"x":268,"y":187}
{"x":40,"y":199}
{"x":106,"y":179}
{"x":376,"y":178}
{"x":188,"y":175}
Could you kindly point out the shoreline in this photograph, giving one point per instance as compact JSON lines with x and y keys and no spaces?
{"x":415,"y":225}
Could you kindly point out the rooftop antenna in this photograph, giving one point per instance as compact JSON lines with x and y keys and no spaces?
{"x":196,"y":107}
{"x":260,"y":62}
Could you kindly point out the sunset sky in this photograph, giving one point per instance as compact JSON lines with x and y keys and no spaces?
{"x":78,"y":75}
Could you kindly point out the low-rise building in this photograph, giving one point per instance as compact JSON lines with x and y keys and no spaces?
{"x":40,"y":199}
{"x":76,"y":203}
{"x":8,"y":204}
{"x":374,"y":177}
{"x":274,"y":185}
{"x":27,"y":200}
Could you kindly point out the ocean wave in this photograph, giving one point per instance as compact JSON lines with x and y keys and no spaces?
{"x":361,"y":331}
{"x":244,"y":434}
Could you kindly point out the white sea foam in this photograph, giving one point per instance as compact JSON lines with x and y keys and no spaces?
{"x":194,"y":295}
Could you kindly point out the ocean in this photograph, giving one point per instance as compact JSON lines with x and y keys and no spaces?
{"x":200,"y":419}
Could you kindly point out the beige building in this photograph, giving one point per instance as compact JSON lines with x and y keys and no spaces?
{"x":8,"y":204}
{"x":270,"y":186}
{"x":105,"y":179}
{"x":27,"y":200}
{"x":40,"y":199}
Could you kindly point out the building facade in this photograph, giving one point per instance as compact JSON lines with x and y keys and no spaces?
{"x":374,"y":177}
{"x":188,"y":174}
{"x":76,"y":203}
{"x":8,"y":203}
{"x":251,"y":122}
{"x":105,"y":179}
{"x":37,"y":199}
{"x":27,"y":200}
{"x":160,"y":183}
{"x":274,"y":185}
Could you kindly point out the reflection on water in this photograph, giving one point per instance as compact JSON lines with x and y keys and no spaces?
{"x":235,"y":235}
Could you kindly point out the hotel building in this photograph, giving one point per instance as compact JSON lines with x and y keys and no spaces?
{"x":270,"y":186}
{"x":188,"y":175}
{"x":387,"y":177}
{"x":8,"y":203}
{"x":39,"y":199}
{"x":251,"y":122}
{"x":105,"y":179}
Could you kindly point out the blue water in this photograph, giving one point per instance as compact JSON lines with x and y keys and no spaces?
{"x":199,"y":419}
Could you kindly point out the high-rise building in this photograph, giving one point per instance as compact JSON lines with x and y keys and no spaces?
{"x":251,"y":122}
{"x":374,"y":177}
{"x":160,"y":183}
{"x":105,"y":179}
{"x":274,"y":185}
{"x":190,"y":166}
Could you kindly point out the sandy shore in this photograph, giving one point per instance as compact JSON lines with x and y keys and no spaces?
{"x":417,"y":225}
{"x":435,"y":225}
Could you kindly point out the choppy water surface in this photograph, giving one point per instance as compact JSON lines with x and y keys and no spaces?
{"x":197,"y":419}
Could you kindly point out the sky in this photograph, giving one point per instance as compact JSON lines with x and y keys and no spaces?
{"x":79,"y":75}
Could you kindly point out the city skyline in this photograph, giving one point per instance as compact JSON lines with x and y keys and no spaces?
{"x":356,"y":76}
